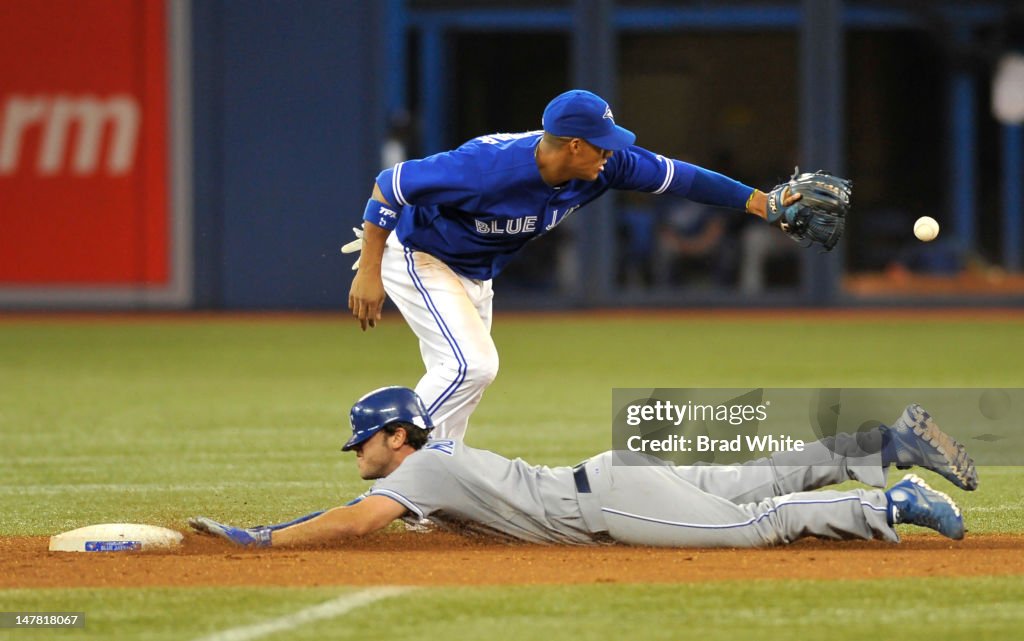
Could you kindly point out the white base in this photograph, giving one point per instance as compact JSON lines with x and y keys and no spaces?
{"x":115,"y":537}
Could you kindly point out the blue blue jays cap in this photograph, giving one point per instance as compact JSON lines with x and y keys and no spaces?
{"x":581,"y":114}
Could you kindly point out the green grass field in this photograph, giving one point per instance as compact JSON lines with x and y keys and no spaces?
{"x":156,"y":420}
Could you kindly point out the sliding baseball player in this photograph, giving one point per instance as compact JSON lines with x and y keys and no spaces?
{"x":608,"y":498}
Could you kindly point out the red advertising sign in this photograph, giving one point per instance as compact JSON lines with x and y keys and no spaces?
{"x":84,"y":155}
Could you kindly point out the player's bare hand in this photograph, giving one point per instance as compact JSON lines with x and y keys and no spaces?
{"x":366,"y":297}
{"x":789,"y":197}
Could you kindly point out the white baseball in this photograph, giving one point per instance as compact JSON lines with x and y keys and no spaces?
{"x":926,"y":228}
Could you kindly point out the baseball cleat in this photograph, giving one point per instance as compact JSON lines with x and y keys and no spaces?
{"x":915,"y":439}
{"x":913,"y":501}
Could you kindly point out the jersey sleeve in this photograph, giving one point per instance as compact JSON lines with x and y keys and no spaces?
{"x":638,"y":169}
{"x":418,"y":483}
{"x":450,"y":178}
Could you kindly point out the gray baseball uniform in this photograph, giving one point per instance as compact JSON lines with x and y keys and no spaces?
{"x":604,"y":499}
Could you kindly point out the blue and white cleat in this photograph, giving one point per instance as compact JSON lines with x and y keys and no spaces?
{"x":913,"y":501}
{"x":915,"y":439}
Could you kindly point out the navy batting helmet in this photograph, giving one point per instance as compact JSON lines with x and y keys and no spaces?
{"x":382,"y":407}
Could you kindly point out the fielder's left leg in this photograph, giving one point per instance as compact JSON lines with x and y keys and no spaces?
{"x":451,"y":317}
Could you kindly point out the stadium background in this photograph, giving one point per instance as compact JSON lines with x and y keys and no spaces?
{"x":264,"y":123}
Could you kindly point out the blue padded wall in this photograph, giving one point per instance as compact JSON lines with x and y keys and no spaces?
{"x":286,"y":116}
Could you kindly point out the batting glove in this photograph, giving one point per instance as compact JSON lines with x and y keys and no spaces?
{"x":354,"y":246}
{"x":253,"y":537}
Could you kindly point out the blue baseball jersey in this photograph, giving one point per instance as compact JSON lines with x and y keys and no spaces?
{"x":475,"y":207}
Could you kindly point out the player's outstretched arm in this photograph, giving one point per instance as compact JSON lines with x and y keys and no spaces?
{"x":366,"y":296}
{"x":639,"y":169}
{"x":356,"y":519}
{"x":366,"y":516}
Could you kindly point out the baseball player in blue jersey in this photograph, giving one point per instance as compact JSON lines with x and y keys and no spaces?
{"x":608,"y":498}
{"x":437,"y":230}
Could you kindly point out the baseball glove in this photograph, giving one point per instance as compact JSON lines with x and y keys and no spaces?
{"x":819,"y":217}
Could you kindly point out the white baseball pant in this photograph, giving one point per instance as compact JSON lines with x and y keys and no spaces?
{"x":451,"y":316}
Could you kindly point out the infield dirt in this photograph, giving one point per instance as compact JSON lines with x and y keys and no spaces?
{"x":404,"y":558}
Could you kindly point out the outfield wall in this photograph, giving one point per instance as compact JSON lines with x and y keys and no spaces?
{"x":166,"y":153}
{"x":214,"y":154}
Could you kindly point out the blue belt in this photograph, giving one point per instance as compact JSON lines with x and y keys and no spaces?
{"x":579,"y":474}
